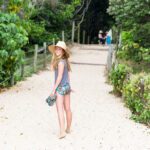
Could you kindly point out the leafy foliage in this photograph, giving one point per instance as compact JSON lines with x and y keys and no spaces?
{"x":13,"y":37}
{"x":117,"y":77}
{"x":127,"y":12}
{"x":135,"y":90}
{"x":48,"y":23}
{"x":137,"y":97}
{"x":141,"y":34}
{"x":131,"y":50}
{"x":133,"y":17}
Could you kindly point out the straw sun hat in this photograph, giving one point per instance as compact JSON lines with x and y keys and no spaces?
{"x":61,"y":44}
{"x":100,"y":31}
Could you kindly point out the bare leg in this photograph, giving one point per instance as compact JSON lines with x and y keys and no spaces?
{"x":60,"y":111}
{"x":68,"y":112}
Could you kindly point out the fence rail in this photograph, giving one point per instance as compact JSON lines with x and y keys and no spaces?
{"x":33,"y":66}
{"x":36,"y":55}
{"x":35,"y":60}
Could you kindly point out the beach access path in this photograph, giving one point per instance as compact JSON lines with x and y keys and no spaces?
{"x":100,"y":120}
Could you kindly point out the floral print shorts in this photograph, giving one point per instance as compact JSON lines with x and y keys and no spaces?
{"x":64,"y":90}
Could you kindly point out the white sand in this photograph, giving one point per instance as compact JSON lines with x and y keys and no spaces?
{"x":100,"y":120}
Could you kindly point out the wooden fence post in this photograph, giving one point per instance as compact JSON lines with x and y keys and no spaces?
{"x":35,"y":58}
{"x":88,"y":39}
{"x":117,"y":43}
{"x":53,"y":41}
{"x":12,"y":80}
{"x":79,"y":33}
{"x":44,"y":45}
{"x":109,"y":58}
{"x":83,"y":36}
{"x":73,"y":26}
{"x":120,"y":39}
{"x":63,"y":36}
{"x":22,"y":70}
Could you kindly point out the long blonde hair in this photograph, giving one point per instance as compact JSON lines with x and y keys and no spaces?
{"x":55,"y":60}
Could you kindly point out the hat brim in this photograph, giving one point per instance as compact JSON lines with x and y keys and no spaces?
{"x":52,"y":48}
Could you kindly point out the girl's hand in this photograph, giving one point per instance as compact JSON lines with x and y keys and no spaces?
{"x":52,"y":93}
{"x":72,"y":90}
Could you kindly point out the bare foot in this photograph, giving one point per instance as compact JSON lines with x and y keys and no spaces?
{"x":68,"y":131}
{"x":62,"y":135}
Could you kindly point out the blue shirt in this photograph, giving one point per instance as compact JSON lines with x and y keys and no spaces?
{"x":65,"y":79}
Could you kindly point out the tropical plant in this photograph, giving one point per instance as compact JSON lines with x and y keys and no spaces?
{"x":13,"y":37}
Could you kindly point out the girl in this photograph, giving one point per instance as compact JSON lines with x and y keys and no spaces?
{"x":61,"y":66}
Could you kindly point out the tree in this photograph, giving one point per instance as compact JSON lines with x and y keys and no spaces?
{"x":96,"y":18}
{"x":133,"y":16}
{"x":56,"y":20}
{"x":127,"y":12}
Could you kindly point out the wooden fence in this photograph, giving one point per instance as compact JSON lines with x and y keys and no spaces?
{"x":36,"y":52}
{"x":43,"y":49}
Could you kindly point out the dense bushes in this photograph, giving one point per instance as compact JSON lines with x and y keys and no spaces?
{"x":42,"y":20}
{"x":136,"y":94}
{"x":39,"y":35}
{"x":135,"y":91}
{"x":141,"y":34}
{"x":13,"y":37}
{"x":48,"y":23}
{"x":134,"y":25}
{"x":118,"y":76}
{"x":131,"y":50}
{"x":135,"y":28}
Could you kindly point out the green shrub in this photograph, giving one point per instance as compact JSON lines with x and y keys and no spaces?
{"x":127,"y":38}
{"x":136,"y":53}
{"x":51,"y":22}
{"x":145,"y":54}
{"x":137,"y":97}
{"x":13,"y":37}
{"x":130,"y":49}
{"x":141,"y":34}
{"x":133,"y":48}
{"x":36,"y":33}
{"x":117,"y":77}
{"x":48,"y":37}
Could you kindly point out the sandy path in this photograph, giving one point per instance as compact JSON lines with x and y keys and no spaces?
{"x":100,"y":121}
